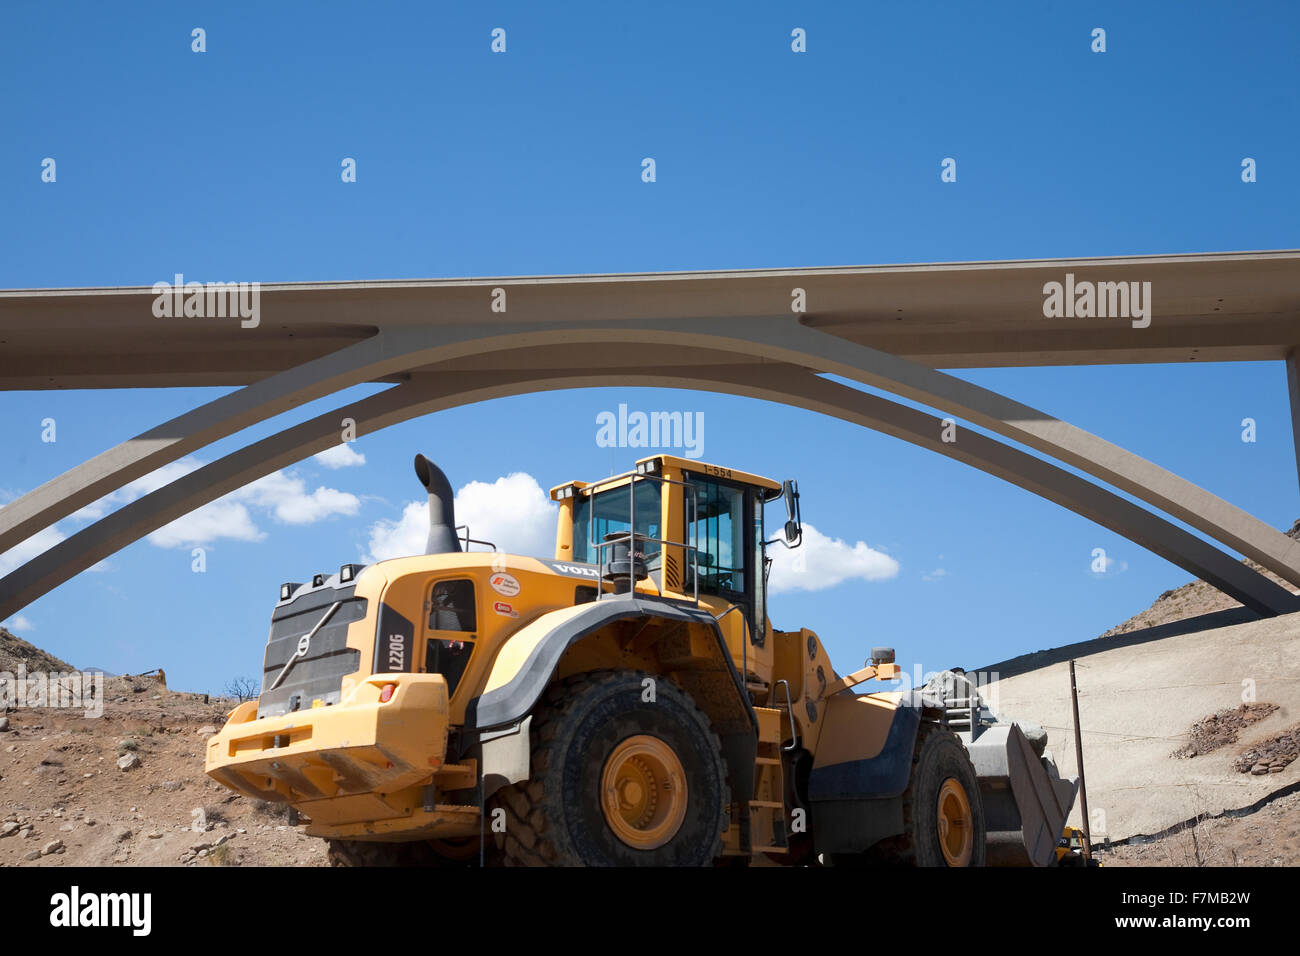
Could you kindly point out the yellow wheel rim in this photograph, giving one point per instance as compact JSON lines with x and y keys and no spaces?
{"x":643,"y":792}
{"x":956,"y":827}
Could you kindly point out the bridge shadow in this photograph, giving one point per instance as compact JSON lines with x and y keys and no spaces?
{"x":1192,"y":625}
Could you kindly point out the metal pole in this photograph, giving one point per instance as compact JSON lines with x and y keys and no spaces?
{"x":1078,"y":757}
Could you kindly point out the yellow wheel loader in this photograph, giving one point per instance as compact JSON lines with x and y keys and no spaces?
{"x":625,"y":702}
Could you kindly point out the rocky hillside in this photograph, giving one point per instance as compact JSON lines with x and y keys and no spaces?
{"x":1192,"y":600}
{"x":15,"y":651}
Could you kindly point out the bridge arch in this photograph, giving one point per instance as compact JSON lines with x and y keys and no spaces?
{"x":394,"y":351}
{"x":437,"y":387}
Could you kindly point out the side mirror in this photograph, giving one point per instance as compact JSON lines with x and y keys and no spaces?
{"x":793,"y":523}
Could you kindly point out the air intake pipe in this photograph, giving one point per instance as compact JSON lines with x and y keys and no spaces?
{"x":442,"y":511}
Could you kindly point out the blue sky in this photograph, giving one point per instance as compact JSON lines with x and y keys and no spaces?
{"x":225,"y":165}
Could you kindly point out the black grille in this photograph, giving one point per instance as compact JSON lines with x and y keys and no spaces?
{"x":318,"y":675}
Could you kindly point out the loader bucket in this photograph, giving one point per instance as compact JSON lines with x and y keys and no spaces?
{"x":1025,"y":805}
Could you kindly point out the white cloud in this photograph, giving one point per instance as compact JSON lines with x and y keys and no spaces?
{"x":222,"y":518}
{"x":401,"y":538}
{"x":513,"y":512}
{"x":935,"y":575}
{"x":340,"y":456}
{"x":18,"y":624}
{"x":822,"y":562}
{"x":284,"y":496}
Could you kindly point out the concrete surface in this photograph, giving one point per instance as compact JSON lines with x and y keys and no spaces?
{"x":1140,"y":693}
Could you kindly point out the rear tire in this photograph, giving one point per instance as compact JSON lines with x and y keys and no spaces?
{"x":616,"y":780}
{"x":943,"y":818}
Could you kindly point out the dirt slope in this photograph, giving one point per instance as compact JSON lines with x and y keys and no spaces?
{"x":62,"y":792}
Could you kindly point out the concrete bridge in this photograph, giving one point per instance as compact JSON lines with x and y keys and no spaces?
{"x":768,"y":334}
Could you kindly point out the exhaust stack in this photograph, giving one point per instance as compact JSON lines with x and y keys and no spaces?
{"x":442,"y":513}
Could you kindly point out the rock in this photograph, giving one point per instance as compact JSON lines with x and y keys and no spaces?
{"x":127,"y":762}
{"x":156,"y":835}
{"x":1259,"y":769}
{"x":50,"y":760}
{"x":171,"y":786}
{"x":54,"y":846}
{"x":207,"y":730}
{"x":34,"y":855}
{"x":8,"y":828}
{"x":1276,"y":769}
{"x":120,"y":834}
{"x":202,"y":854}
{"x":4,"y":724}
{"x":1036,"y":736}
{"x":88,"y":822}
{"x":67,"y":828}
{"x":12,"y":748}
{"x":28,"y":831}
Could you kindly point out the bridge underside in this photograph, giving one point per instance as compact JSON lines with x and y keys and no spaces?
{"x":453,"y":361}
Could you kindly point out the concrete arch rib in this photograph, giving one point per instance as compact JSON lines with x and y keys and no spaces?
{"x":384,"y":354}
{"x":432,"y":391}
{"x":782,"y":340}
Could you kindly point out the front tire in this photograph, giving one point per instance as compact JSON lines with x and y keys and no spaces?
{"x":943,"y":818}
{"x":616,"y":779}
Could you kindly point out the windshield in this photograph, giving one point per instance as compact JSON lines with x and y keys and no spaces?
{"x":610,"y":510}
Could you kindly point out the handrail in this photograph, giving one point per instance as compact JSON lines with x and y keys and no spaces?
{"x":468,"y":540}
{"x":789,"y":706}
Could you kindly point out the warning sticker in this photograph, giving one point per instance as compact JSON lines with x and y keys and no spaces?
{"x":504,"y":609}
{"x":506,"y":584}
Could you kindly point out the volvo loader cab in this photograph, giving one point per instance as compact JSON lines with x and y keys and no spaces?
{"x":626,"y":701}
